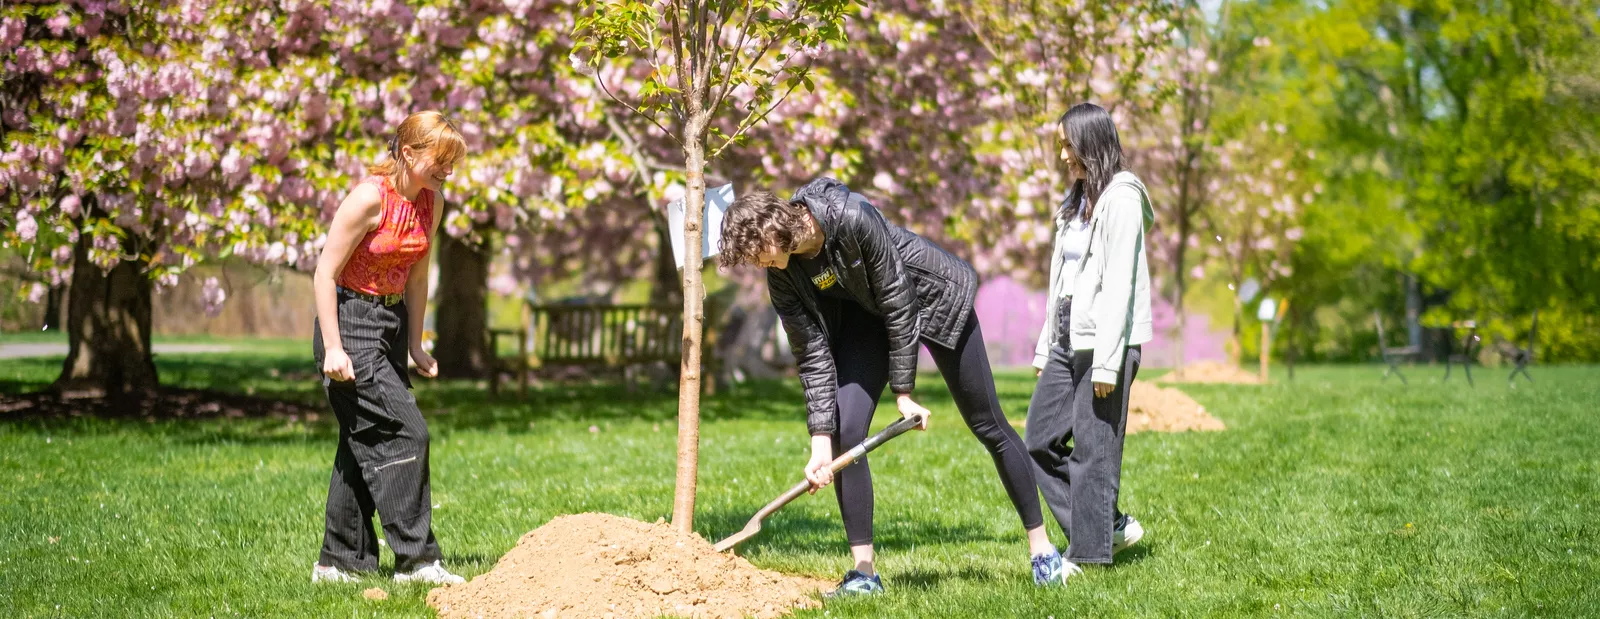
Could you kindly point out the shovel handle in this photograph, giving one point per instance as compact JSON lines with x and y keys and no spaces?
{"x":895,"y":429}
{"x":848,"y":458}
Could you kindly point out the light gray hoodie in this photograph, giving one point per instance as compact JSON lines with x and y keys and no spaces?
{"x":1111,"y":295}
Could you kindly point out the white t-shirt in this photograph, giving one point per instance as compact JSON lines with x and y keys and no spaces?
{"x":1074,"y":244}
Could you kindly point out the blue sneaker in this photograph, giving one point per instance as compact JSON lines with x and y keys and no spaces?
{"x":1051,"y":570}
{"x":856,"y":583}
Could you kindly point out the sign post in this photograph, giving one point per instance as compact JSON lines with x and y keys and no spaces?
{"x":1267,"y":313}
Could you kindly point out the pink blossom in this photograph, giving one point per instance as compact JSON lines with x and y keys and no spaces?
{"x":213,"y":295}
{"x":27,"y":228}
{"x":11,"y":31}
{"x":71,"y":206}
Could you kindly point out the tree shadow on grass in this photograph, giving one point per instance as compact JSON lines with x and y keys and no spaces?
{"x":925,"y":579}
{"x":261,"y":403}
{"x":269,"y":397}
{"x":1134,"y":555}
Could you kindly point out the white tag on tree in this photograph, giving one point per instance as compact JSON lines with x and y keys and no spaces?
{"x":717,"y":201}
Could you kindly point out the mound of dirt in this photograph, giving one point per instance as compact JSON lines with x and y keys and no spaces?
{"x":1165,"y":409}
{"x":602,"y":566}
{"x":1161,"y":409}
{"x":1211,"y":372}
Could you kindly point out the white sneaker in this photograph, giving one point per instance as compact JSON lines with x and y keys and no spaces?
{"x":328,"y":573}
{"x":432,"y":573}
{"x":1069,"y":570}
{"x":1127,"y":533}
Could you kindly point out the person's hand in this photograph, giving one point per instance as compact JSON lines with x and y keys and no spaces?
{"x":817,"y":471}
{"x":1037,"y":372}
{"x":908,"y":408}
{"x":426,"y":365}
{"x":336,"y":365}
{"x":1103,"y":389}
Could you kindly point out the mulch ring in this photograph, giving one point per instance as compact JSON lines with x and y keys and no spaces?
{"x":161,"y":403}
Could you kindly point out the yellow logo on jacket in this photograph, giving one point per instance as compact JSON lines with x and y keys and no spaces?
{"x":825,"y":280}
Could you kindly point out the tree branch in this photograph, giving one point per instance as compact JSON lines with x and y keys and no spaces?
{"x":693,"y":37}
{"x":714,"y":41}
{"x":595,"y":75}
{"x":677,"y":40}
{"x":747,"y":123}
{"x":27,"y":275}
{"x":642,"y":163}
{"x":727,"y":86}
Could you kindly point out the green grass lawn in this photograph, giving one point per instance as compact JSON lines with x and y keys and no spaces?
{"x":1337,"y":494}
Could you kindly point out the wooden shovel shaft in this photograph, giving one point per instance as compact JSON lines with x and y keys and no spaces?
{"x":849,"y":457}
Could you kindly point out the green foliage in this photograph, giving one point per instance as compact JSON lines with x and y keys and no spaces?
{"x":1457,"y":143}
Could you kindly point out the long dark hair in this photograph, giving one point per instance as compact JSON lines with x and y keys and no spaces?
{"x":1093,"y":137}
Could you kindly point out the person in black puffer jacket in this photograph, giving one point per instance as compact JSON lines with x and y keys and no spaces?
{"x":856,"y":296}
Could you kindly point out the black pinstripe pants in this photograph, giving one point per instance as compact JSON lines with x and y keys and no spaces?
{"x":382,"y":460}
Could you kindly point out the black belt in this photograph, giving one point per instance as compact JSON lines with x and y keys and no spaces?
{"x":385,"y":299}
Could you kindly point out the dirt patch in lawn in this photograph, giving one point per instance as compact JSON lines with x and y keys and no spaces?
{"x":1162,"y":409}
{"x":1165,"y":409}
{"x":1211,"y":372}
{"x":603,"y":566}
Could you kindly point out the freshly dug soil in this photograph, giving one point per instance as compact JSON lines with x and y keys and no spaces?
{"x":1165,"y":409}
{"x":603,"y":566}
{"x":1211,"y":372}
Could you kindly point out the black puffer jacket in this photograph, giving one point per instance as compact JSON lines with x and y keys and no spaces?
{"x":920,"y":290}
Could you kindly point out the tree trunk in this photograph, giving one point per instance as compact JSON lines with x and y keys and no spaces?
{"x":1181,"y":277}
{"x":108,"y":329}
{"x":1236,"y":341}
{"x":666,"y":286}
{"x":462,"y":317}
{"x":1413,"y":312}
{"x":694,"y":204}
{"x":52,"y":308}
{"x":1294,"y":340}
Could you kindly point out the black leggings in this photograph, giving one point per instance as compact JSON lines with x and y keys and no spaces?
{"x":861,"y":353}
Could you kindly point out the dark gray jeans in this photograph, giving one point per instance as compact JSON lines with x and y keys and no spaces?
{"x":1076,"y":443}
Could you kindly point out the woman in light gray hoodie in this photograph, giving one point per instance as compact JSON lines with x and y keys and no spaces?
{"x":1089,"y":350}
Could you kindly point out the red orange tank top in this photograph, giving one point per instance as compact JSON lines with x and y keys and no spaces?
{"x":382,"y":260}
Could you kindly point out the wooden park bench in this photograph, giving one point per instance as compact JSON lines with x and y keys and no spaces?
{"x":596,"y":335}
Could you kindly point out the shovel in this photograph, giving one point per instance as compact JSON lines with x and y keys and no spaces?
{"x":754,"y":526}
